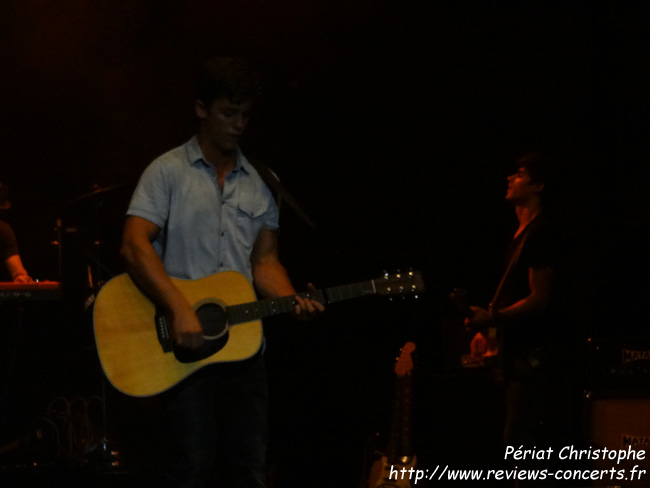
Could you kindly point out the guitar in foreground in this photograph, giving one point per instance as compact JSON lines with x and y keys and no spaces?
{"x":139,"y":356}
{"x":391,"y":470}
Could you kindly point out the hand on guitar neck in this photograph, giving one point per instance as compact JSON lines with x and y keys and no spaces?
{"x":305,"y":307}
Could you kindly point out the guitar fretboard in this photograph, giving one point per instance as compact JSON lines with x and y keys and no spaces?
{"x":399,"y":442}
{"x":245,"y":312}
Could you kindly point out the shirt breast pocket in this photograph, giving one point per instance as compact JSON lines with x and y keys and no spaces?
{"x":250,"y":219}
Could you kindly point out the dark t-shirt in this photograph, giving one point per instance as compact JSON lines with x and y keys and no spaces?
{"x":540,"y":251}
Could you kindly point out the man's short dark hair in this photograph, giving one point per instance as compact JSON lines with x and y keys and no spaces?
{"x":541,"y":168}
{"x":229,"y":78}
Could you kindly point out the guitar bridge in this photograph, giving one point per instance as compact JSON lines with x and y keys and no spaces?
{"x":163,"y":332}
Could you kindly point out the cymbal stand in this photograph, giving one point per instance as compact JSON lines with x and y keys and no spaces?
{"x":103,"y":453}
{"x":107,"y":457}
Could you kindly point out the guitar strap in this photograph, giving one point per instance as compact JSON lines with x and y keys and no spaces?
{"x":493,"y":332}
{"x":511,"y":263}
{"x":273,"y":181}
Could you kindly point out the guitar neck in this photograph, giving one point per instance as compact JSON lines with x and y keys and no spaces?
{"x":246,"y":312}
{"x":399,"y":441}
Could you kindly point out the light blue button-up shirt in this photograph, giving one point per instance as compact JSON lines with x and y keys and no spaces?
{"x":204,"y":230}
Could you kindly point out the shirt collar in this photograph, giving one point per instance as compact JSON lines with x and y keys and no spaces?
{"x":195,"y":156}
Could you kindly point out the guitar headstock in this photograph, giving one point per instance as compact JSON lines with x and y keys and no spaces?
{"x":404,"y":364}
{"x":408,"y":283}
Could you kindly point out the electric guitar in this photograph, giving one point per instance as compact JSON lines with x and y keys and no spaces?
{"x":391,"y":470}
{"x":140,"y":358}
{"x":459,"y":298}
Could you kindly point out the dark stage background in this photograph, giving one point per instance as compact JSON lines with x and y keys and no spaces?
{"x":394,"y":125}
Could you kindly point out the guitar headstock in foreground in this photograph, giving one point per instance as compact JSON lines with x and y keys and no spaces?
{"x":408,"y":283}
{"x":404,"y":365}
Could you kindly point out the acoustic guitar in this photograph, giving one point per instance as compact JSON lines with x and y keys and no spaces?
{"x":140,"y":358}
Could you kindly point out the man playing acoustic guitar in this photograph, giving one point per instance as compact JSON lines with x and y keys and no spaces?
{"x":202,"y":209}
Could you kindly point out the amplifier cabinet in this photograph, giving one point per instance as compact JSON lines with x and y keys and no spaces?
{"x":620,"y":423}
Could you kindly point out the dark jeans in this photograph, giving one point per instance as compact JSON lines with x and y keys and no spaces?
{"x":539,"y":404}
{"x":538,"y":416}
{"x":218,"y":427}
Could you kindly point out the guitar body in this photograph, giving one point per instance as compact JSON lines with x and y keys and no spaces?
{"x":491,"y":346}
{"x":135,"y":354}
{"x":380,"y":474}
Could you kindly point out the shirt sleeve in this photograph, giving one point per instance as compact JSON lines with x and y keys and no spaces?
{"x":272,"y":215}
{"x":151,"y":197}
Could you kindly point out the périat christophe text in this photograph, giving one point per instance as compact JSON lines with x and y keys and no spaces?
{"x":571,"y":453}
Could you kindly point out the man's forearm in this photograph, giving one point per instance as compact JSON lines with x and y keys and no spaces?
{"x":16,"y":269}
{"x":147,"y":270}
{"x":531,"y":305}
{"x":271,"y":279}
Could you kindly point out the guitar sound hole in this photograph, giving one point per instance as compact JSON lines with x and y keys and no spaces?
{"x":213,"y":320}
{"x":214,"y":323}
